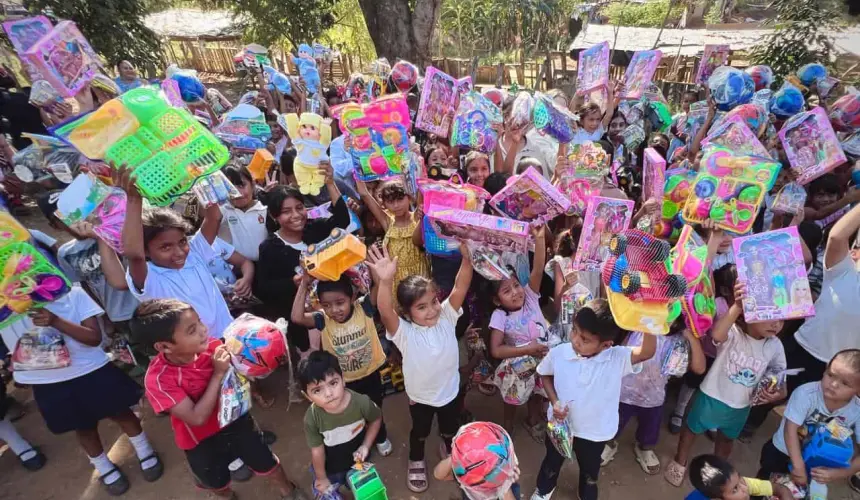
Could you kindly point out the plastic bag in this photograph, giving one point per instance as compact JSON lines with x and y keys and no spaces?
{"x":521,"y":111}
{"x":558,"y":432}
{"x":676,"y":360}
{"x":730,"y":87}
{"x":258,"y":346}
{"x":633,"y":136}
{"x":42,"y":349}
{"x":215,"y":189}
{"x":517,"y":381}
{"x":235,"y":398}
{"x":772,"y":381}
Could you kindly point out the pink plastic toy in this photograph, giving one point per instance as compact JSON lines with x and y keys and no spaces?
{"x":486,"y":230}
{"x":593,"y":68}
{"x":530,"y":197}
{"x":603,"y":218}
{"x":713,"y":57}
{"x":771,"y":266}
{"x":380,"y":135}
{"x":676,"y":190}
{"x":733,"y":134}
{"x":811,"y":145}
{"x":170,"y":87}
{"x":639,"y":73}
{"x":653,"y":176}
{"x":438,"y":102}
{"x":448,"y":194}
{"x":689,"y":260}
{"x":64,"y":58}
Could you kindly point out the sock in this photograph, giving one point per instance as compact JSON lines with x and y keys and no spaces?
{"x":236,"y":465}
{"x":17,"y":444}
{"x":684,"y":399}
{"x":143,"y":450}
{"x":104,"y":466}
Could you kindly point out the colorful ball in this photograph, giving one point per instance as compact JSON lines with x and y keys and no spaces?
{"x":257,"y":345}
{"x":404,"y":75}
{"x":811,"y":73}
{"x":752,"y":114}
{"x":786,"y":102}
{"x":496,"y":96}
{"x":483,"y":459}
{"x":762,"y":76}
{"x":845,"y":113}
{"x":730,"y":87}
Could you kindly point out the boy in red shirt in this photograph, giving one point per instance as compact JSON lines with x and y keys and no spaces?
{"x":185,"y":381}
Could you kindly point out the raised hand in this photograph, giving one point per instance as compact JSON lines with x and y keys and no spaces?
{"x":381,"y":265}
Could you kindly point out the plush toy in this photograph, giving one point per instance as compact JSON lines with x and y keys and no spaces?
{"x":311,"y":137}
{"x":308,"y":67}
{"x":277,"y":80}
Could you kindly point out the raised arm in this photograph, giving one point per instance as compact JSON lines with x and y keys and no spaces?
{"x":462,"y":281}
{"x":298,"y":315}
{"x":702,"y":132}
{"x":536,"y":276}
{"x":211,"y":223}
{"x":330,"y":184}
{"x":383,"y":269}
{"x":646,"y":351}
{"x":612,"y":91}
{"x":370,"y":202}
{"x":840,"y":234}
{"x":132,"y":228}
{"x":720,"y":331}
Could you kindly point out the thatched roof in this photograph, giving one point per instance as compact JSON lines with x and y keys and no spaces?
{"x":194,"y":23}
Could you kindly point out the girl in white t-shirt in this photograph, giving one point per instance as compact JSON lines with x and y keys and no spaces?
{"x":424,"y":332}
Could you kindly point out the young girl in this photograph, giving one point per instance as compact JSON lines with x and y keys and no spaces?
{"x":477,"y":168}
{"x":243,"y":220}
{"x":518,"y":329}
{"x":745,"y":353}
{"x":592,"y":121}
{"x":400,"y":223}
{"x":424,"y":332}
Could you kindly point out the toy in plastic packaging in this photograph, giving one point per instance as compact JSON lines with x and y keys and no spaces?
{"x":476,"y":123}
{"x":641,"y":69}
{"x":109,"y":217}
{"x":599,"y":96}
{"x":24,"y":33}
{"x":826,"y":86}
{"x":307,"y":67}
{"x":762,"y":76}
{"x":676,"y":357}
{"x":811,"y":145}
{"x":235,"y":398}
{"x":633,"y":136}
{"x":791,"y":199}
{"x":329,"y":258}
{"x":483,"y":460}
{"x":587,"y":161}
{"x":44,"y":95}
{"x":517,"y":380}
{"x":593,"y":68}
{"x":244,"y":128}
{"x":257,"y":346}
{"x":323,"y":53}
{"x":851,"y":145}
{"x":488,"y":263}
{"x":771,"y":265}
{"x":486,"y":230}
{"x":530,"y":197}
{"x":559,"y":433}
{"x":653,"y":176}
{"x":754,"y":115}
{"x":215,"y":189}
{"x":845,"y":113}
{"x":786,"y":102}
{"x":448,"y":194}
{"x":811,"y":73}
{"x":713,"y":57}
{"x":275,"y":80}
{"x":80,"y":198}
{"x":120,"y":350}
{"x":522,"y":111}
{"x":29,"y":281}
{"x":676,"y":190}
{"x":689,"y":259}
{"x":364,"y":482}
{"x":730,"y":87}
{"x":603,"y":218}
{"x":260,"y":164}
{"x":772,"y":381}
{"x":659,"y":116}
{"x":553,"y":120}
{"x":311,"y":136}
{"x":41,"y":349}
{"x":255,"y":55}
{"x":404,"y":75}
{"x":733,"y":134}
{"x":64,"y":58}
{"x":380,"y":135}
{"x":437,"y":104}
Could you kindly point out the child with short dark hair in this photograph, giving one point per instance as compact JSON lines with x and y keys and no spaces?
{"x":340,"y":424}
{"x":585,"y":374}
{"x":184,"y":380}
{"x":716,"y":479}
{"x":243,"y":220}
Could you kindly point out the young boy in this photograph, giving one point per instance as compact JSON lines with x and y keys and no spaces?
{"x":587,"y":373}
{"x":716,"y":479}
{"x":347,"y":331}
{"x":340,"y":425}
{"x":812,"y":405}
{"x":184,"y":380}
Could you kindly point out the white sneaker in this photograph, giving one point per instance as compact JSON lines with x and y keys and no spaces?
{"x":538,"y":496}
{"x":384,"y":448}
{"x":609,"y":452}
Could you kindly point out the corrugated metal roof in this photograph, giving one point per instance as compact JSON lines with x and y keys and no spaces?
{"x":193,"y":23}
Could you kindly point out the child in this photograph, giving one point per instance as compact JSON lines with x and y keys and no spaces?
{"x":424,"y":332}
{"x":184,"y":380}
{"x":340,"y":424}
{"x":811,"y":406}
{"x":77,"y":397}
{"x":592,"y":121}
{"x":586,"y":374}
{"x":399,"y":223}
{"x":744,"y":353}
{"x":28,"y":455}
{"x":348,"y":332}
{"x":643,"y":394}
{"x":243,"y":220}
{"x":715,"y":478}
{"x":518,"y":328}
{"x":477,"y":168}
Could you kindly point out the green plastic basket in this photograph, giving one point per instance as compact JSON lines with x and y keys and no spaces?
{"x":203,"y":155}
{"x":160,"y":181}
{"x":148,"y":138}
{"x":172,"y":123}
{"x":39,"y":266}
{"x":130,"y":151}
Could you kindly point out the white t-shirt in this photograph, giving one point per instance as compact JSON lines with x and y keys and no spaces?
{"x":193,"y":284}
{"x":431,"y":358}
{"x":81,"y":262}
{"x":244,"y":229}
{"x":590,"y":386}
{"x":582,"y":135}
{"x":541,"y":147}
{"x":740,"y":364}
{"x":837,"y":314}
{"x":74,"y":307}
{"x":806,"y":408}
{"x":218,"y":265}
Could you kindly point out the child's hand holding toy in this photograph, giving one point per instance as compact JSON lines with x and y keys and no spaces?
{"x":360,"y":455}
{"x":559,"y":410}
{"x":42,"y":317}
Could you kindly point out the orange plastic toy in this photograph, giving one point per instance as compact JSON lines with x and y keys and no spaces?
{"x":260,"y":164}
{"x":328,"y":259}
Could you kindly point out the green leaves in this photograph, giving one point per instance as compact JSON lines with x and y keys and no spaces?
{"x":269,"y":21}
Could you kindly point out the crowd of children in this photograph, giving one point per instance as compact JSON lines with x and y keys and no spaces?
{"x":545,"y":335}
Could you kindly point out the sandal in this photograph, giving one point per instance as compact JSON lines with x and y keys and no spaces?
{"x":608,"y":454}
{"x":416,"y":476}
{"x":647,"y":460}
{"x":675,"y":473}
{"x":153,"y":473}
{"x":117,"y":487}
{"x":35,"y":462}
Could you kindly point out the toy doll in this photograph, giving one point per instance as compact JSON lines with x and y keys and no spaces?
{"x":311,"y":137}
{"x":308,"y":68}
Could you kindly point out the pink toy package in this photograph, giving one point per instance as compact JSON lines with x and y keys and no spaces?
{"x":713,"y":57}
{"x":733,"y":134}
{"x":64,"y":58}
{"x":639,"y":73}
{"x":530,"y":197}
{"x":653,"y":176}
{"x":791,"y":199}
{"x":588,"y":164}
{"x":170,"y":87}
{"x":24,"y":33}
{"x":771,"y":266}
{"x":593,"y":68}
{"x":438,"y":102}
{"x":603,"y":218}
{"x":488,"y":231}
{"x":811,"y":145}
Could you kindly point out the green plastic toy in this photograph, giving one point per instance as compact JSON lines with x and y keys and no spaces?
{"x":365,"y":483}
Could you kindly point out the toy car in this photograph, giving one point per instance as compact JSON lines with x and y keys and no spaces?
{"x":328,"y":259}
{"x":639,"y":268}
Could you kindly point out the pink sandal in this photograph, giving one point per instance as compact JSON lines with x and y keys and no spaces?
{"x":675,"y":473}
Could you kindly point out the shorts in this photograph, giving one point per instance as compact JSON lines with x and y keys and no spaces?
{"x":80,"y":403}
{"x":708,"y":413}
{"x":210,"y":459}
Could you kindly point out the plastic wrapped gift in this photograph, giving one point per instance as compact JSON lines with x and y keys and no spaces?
{"x":713,"y":57}
{"x":733,"y":134}
{"x":522,"y":111}
{"x":42,"y":349}
{"x":24,"y":33}
{"x":786,"y":101}
{"x":451,"y":195}
{"x":530,"y":197}
{"x":560,"y":435}
{"x":64,"y":58}
{"x":553,"y":120}
{"x":811,"y":73}
{"x":653,"y":176}
{"x":235,"y":398}
{"x":633,"y":136}
{"x":593,"y":68}
{"x":676,"y":359}
{"x":730,"y":87}
{"x":215,"y":189}
{"x":260,"y":164}
{"x":44,"y":95}
{"x":404,"y":75}
{"x":845,"y":113}
{"x":257,"y":346}
{"x":762,"y":76}
{"x":676,"y":190}
{"x":603,"y":218}
{"x":29,"y":281}
{"x":486,"y":230}
{"x":437,"y":104}
{"x":475,"y":123}
{"x":380,"y":135}
{"x":753,"y":115}
{"x":639,"y":72}
{"x":791,"y":199}
{"x":689,"y":258}
{"x":811,"y":145}
{"x":483,"y":460}
{"x":771,"y":265}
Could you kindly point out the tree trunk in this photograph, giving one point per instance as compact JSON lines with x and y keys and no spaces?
{"x":401,"y":32}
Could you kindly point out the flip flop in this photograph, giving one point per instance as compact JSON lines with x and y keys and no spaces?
{"x":647,"y":460}
{"x":416,"y":472}
{"x":674,"y":474}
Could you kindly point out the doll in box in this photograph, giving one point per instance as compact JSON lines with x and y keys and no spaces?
{"x":311,"y":137}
